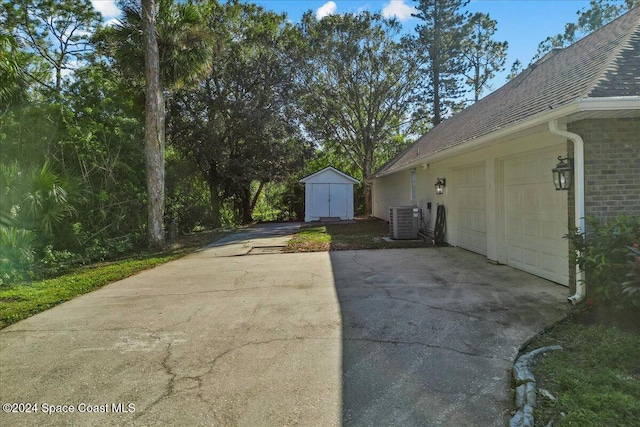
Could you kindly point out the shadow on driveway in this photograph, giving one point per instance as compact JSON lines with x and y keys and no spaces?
{"x":429,"y":335}
{"x":374,"y":337}
{"x":258,"y":233}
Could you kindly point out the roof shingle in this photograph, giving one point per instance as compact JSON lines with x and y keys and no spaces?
{"x":605,"y":63}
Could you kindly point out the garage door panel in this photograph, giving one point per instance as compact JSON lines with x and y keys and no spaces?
{"x":528,"y":169}
{"x":535,"y":216}
{"x":550,"y":231}
{"x":515,"y":254}
{"x":548,"y":261}
{"x":540,"y":263}
{"x":513,"y":195}
{"x":514,"y":226}
{"x":531,"y":228}
{"x":552,"y":202}
{"x":530,"y":257}
{"x":472,"y":220}
{"x":470,"y":208}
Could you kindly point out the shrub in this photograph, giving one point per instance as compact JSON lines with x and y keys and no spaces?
{"x":52,"y":261}
{"x":603,"y":253}
{"x":16,"y":254}
{"x":632,"y":286}
{"x":33,"y":201}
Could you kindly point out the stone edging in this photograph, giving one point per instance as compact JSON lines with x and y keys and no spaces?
{"x":526,"y":387}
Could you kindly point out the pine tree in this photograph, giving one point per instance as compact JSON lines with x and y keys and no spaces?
{"x":483,"y":55}
{"x":439,"y":42}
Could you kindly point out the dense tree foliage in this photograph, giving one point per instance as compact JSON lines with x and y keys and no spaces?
{"x":55,"y":33}
{"x":483,"y":55}
{"x":458,"y":55}
{"x":12,"y":79}
{"x":251,"y":102}
{"x":599,"y":13}
{"x":104,"y":148}
{"x":596,"y":15}
{"x":33,"y":202}
{"x":238,"y":124}
{"x":38,"y":195}
{"x":515,"y":69}
{"x":440,"y":41}
{"x":358,"y":89}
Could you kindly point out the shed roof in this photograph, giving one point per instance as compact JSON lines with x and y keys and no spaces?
{"x":604,"y":64}
{"x":330,"y":170}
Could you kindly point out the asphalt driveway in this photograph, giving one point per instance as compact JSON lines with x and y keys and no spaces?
{"x":224,"y":337}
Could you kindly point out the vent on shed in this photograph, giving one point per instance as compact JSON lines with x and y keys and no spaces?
{"x":403,"y":222}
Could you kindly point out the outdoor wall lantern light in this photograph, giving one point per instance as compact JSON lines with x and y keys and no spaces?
{"x":562,"y":173}
{"x":440,"y":184}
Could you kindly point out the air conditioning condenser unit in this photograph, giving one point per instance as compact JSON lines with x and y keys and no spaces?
{"x":403,"y":222}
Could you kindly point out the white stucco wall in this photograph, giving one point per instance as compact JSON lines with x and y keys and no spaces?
{"x":395,"y":189}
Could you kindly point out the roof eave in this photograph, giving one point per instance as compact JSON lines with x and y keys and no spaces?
{"x":622,"y":103}
{"x":609,"y":103}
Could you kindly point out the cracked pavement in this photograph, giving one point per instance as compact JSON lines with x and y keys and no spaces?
{"x":388,"y":337}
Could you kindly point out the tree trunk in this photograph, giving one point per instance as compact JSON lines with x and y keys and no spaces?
{"x":246,"y":205}
{"x":154,"y":126}
{"x":368,"y":208}
{"x":437,"y":115}
{"x":366,"y":171}
{"x":58,"y":80}
{"x":254,"y":200}
{"x":476,"y":83}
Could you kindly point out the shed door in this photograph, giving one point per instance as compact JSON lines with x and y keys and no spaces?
{"x":320,"y":200}
{"x":536,"y":216}
{"x":470,"y":208}
{"x":338,"y":200}
{"x":330,"y":200}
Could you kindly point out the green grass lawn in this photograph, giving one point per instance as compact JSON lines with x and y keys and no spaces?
{"x":22,"y":300}
{"x":361,"y":234}
{"x":595,"y":379}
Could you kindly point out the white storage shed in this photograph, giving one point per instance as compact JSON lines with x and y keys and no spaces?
{"x":328,"y":194}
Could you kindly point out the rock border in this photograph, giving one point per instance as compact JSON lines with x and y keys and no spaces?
{"x":526,"y":387}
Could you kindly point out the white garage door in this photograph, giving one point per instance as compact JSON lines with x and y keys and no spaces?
{"x":470,"y":208}
{"x":536,"y":216}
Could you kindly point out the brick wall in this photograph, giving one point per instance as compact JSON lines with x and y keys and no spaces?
{"x":612,"y":169}
{"x":612,"y":166}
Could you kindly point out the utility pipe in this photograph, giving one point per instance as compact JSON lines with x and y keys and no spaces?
{"x":578,"y":169}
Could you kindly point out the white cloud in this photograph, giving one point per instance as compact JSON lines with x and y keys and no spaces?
{"x":398,"y":9}
{"x":111,"y":22}
{"x":107,"y":8}
{"x":326,"y":9}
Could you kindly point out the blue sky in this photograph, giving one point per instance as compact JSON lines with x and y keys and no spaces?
{"x":523,"y":23}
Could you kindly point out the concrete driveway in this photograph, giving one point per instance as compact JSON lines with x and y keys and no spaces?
{"x":389,"y":337}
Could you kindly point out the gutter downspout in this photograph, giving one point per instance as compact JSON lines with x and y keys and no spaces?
{"x":578,"y":154}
